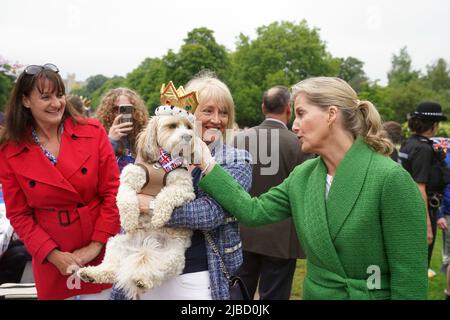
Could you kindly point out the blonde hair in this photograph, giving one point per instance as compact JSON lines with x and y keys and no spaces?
{"x":360,"y":118}
{"x":106,"y":115}
{"x":211,"y":88}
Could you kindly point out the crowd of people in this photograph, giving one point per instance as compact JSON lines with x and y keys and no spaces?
{"x":342,"y":190}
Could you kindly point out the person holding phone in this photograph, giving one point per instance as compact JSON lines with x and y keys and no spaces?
{"x":123,"y":114}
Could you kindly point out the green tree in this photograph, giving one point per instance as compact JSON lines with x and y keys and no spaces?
{"x":92,"y":84}
{"x":401,"y":71}
{"x":95,"y":82}
{"x":200,"y":51}
{"x":8,"y":73}
{"x":438,"y":76}
{"x":114,"y":82}
{"x":378,"y":95}
{"x":404,"y":99}
{"x":283,"y":53}
{"x":147,"y":80}
{"x":6,"y":84}
{"x":352,"y":71}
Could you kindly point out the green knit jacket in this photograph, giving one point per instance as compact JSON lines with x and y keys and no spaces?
{"x":367,"y":240}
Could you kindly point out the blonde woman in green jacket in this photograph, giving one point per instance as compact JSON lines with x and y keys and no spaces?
{"x":359,"y":215}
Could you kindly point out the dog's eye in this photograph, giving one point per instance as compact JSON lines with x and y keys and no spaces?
{"x":172,"y":126}
{"x":189,"y":126}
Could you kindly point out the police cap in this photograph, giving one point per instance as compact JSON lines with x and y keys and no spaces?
{"x":429,"y":111}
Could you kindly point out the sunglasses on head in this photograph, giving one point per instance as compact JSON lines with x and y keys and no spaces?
{"x":33,"y":69}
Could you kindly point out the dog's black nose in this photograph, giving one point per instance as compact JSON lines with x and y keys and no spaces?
{"x":187,"y":137}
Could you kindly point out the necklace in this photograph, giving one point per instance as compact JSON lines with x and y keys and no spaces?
{"x":47,"y":141}
{"x":47,"y":153}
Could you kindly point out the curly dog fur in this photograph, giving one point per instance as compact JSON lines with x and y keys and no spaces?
{"x":149,"y":253}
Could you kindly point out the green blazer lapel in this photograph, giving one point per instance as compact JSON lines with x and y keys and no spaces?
{"x":316,"y":234}
{"x":347,"y":185}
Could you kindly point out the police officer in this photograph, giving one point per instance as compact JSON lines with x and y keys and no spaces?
{"x":424,"y":164}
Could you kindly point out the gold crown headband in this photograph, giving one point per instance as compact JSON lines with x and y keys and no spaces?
{"x":177,"y":102}
{"x":178,"y":97}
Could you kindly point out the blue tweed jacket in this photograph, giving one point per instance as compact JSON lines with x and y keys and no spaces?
{"x":204,"y":213}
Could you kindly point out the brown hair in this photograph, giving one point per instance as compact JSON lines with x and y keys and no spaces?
{"x":18,"y":118}
{"x":76,"y":103}
{"x":360,"y":118}
{"x":105,"y":113}
{"x":394,"y":131}
{"x":419,"y":126}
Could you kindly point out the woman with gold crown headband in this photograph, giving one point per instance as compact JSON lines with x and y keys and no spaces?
{"x":202,"y":277}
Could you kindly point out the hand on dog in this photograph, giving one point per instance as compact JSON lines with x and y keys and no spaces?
{"x":88,"y":253}
{"x":207,"y":161}
{"x":119,"y":130}
{"x":144,"y":203}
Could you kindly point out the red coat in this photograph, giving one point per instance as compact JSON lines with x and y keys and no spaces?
{"x":65,"y":206}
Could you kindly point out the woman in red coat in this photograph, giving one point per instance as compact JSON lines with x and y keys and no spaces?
{"x":60,"y":179}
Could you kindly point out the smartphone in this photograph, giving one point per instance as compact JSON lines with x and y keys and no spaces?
{"x":126,"y":111}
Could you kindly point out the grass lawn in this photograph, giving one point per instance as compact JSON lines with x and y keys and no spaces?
{"x":436,"y":285}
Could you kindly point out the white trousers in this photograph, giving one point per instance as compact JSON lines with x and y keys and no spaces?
{"x":189,"y":286}
{"x":103,"y":295}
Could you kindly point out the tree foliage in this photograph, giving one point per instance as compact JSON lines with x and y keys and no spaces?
{"x":438,"y":76}
{"x":282,"y":53}
{"x":147,"y":80}
{"x":200,"y":51}
{"x":6,"y":84}
{"x":352,"y":70}
{"x":114,"y":82}
{"x":407,"y":88}
{"x":401,"y":70}
{"x":8,"y":73}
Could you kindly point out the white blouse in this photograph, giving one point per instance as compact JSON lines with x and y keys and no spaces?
{"x":328,"y":185}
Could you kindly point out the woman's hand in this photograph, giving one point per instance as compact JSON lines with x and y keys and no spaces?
{"x":442,"y":224}
{"x":88,"y":253}
{"x":207,"y":161}
{"x":66,"y":262}
{"x":119,"y":130}
{"x":144,"y":203}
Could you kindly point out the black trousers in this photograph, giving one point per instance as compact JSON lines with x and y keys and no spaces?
{"x":432,"y":213}
{"x":275,"y":276}
{"x":13,"y":262}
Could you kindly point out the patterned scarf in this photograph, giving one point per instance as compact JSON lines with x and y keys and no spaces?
{"x":166,"y":161}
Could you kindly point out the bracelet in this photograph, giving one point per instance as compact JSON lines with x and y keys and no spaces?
{"x":206,"y":168}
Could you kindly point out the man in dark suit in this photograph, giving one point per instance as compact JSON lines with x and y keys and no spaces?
{"x":271,"y":252}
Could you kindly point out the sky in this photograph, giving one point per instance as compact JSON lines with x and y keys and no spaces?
{"x":89,"y":37}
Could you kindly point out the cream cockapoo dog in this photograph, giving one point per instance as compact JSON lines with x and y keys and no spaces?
{"x":149,"y":253}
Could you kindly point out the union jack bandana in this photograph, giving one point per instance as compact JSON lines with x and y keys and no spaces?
{"x":166,"y":161}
